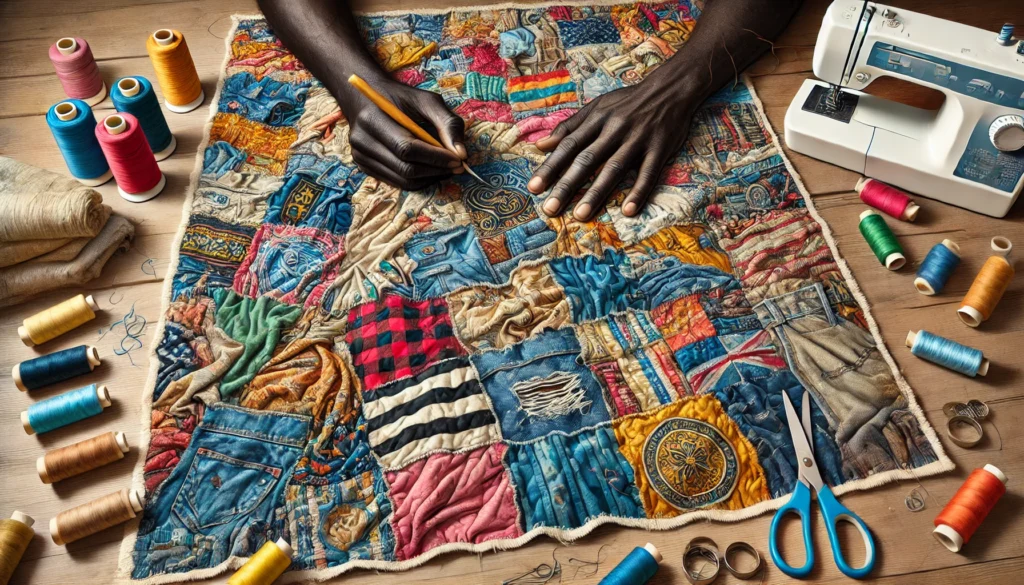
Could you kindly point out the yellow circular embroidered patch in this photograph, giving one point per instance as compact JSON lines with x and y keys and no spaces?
{"x":689,"y":463}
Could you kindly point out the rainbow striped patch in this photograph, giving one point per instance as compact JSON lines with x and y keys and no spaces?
{"x":542,"y":93}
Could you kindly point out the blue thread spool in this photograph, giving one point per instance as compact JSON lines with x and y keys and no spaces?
{"x":55,"y":367}
{"x":947,"y":353}
{"x":64,"y":409}
{"x":74,"y":129}
{"x":135,"y":96}
{"x":938,"y":266}
{"x":1006,"y":35}
{"x":636,"y":569}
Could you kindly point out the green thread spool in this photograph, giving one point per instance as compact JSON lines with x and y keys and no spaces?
{"x":881,"y":239}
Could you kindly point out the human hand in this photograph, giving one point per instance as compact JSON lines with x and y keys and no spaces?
{"x":636,"y":127}
{"x":384,"y":149}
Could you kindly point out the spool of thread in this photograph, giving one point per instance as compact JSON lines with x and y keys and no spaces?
{"x":131,"y":160}
{"x":962,"y":516}
{"x":77,"y":70}
{"x":265,"y":566}
{"x":881,"y":240}
{"x":989,"y":285}
{"x":637,"y":568}
{"x":74,"y":129}
{"x":947,"y":353}
{"x":938,"y":266}
{"x":78,"y":458}
{"x":92,"y":517}
{"x":64,"y":409}
{"x":58,"y":320}
{"x":55,"y":367}
{"x":15,"y":536}
{"x":135,"y":96}
{"x":175,"y":70}
{"x":1005,"y":36}
{"x":887,"y":199}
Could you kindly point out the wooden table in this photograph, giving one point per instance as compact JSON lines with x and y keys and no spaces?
{"x":117,"y":30}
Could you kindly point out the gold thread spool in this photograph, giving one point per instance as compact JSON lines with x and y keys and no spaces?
{"x":78,"y":458}
{"x":15,"y":536}
{"x":58,"y":320}
{"x":175,"y":70}
{"x":265,"y":566}
{"x":92,"y":517}
{"x":989,"y":285}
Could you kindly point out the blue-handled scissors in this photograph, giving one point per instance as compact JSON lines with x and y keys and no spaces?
{"x":800,"y":504}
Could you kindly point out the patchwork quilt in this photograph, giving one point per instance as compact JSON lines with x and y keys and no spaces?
{"x":382,"y":376}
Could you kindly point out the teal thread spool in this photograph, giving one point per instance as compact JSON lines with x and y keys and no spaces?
{"x":64,"y":409}
{"x":636,"y":569}
{"x":947,"y":353}
{"x":55,"y":367}
{"x":135,"y":96}
{"x":938,"y":266}
{"x":881,"y":240}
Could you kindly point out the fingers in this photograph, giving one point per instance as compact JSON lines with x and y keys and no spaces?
{"x":450,"y":128}
{"x":568,"y":150}
{"x":582,"y":167}
{"x":604,"y":185}
{"x":565,"y":128}
{"x":404,"y":145}
{"x":379,"y":161}
{"x":646,"y":179}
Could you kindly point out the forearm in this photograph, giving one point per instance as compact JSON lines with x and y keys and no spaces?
{"x":730,"y":35}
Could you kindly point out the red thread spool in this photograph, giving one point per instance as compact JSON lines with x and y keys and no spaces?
{"x":131,"y":159}
{"x":962,"y":516}
{"x":887,"y":199}
{"x":77,"y":70}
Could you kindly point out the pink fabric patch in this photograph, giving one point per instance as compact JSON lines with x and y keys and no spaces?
{"x":452,"y":497}
{"x":410,"y":76}
{"x":486,"y":59}
{"x":482,"y":111}
{"x":534,"y":128}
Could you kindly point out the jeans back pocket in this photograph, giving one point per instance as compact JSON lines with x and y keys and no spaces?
{"x":219,"y":488}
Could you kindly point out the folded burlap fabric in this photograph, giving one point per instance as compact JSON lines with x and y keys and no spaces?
{"x":36,"y":204}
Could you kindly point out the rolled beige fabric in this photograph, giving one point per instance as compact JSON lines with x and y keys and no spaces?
{"x":36,"y":204}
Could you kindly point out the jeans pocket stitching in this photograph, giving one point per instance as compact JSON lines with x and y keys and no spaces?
{"x":186,"y":500}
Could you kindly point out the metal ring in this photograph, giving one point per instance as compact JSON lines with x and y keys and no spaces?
{"x":745,"y":547}
{"x":966,"y":420}
{"x":973,"y":408}
{"x":706,"y":549}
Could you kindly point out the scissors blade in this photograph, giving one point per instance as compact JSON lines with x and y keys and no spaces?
{"x":805,"y":418}
{"x":808,"y":467}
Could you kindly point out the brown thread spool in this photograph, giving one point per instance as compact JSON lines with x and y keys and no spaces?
{"x":15,"y":536}
{"x":988,"y":287}
{"x":76,"y":459}
{"x":92,"y":517}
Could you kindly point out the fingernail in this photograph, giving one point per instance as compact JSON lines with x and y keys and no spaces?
{"x":582,"y":211}
{"x":460,"y":150}
{"x":455,"y":164}
{"x":629,"y":208}
{"x":458,"y":170}
{"x":551,"y":206}
{"x":536,"y":185}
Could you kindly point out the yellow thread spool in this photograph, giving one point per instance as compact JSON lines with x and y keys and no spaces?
{"x":265,"y":566}
{"x":989,"y":285}
{"x":175,"y":70}
{"x":15,"y":536}
{"x":92,"y":517}
{"x":78,"y":458}
{"x":58,"y":320}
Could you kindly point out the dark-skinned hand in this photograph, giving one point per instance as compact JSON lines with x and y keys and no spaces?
{"x":385,"y":150}
{"x":639,"y":127}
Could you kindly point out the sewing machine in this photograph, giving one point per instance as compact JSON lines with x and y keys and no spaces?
{"x":968,"y":153}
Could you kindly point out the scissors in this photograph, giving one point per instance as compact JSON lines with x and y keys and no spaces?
{"x":800,"y":504}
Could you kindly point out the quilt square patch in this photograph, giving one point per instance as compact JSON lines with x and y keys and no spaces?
{"x":290,"y":264}
{"x":302,"y":202}
{"x":541,"y":93}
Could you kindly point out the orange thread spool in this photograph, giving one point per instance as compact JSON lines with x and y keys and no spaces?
{"x":60,"y":464}
{"x":92,"y":517}
{"x":175,"y":70}
{"x":988,"y":287}
{"x":962,"y":516}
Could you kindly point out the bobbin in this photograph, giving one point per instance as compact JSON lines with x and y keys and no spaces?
{"x":165,"y":37}
{"x":135,"y":499}
{"x":115,"y":125}
{"x":971,"y":316}
{"x":742,"y":546}
{"x":92,"y":354}
{"x":130,"y":87}
{"x":65,"y":112}
{"x":44,"y":474}
{"x":895,"y":260}
{"x":67,"y":46}
{"x":923,"y":286}
{"x":706,"y":549}
{"x":949,"y":537}
{"x":27,"y":339}
{"x":982,"y":368}
{"x":968,"y":421}
{"x":101,"y":393}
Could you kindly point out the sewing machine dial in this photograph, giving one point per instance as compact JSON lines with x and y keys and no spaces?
{"x":1007,"y":133}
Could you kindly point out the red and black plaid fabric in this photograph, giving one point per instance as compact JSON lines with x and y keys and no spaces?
{"x":394,"y":337}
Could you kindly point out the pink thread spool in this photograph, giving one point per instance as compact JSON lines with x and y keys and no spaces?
{"x":131,"y":159}
{"x":887,"y":199}
{"x":77,"y":70}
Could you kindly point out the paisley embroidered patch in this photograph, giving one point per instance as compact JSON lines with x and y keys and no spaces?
{"x":690,"y":463}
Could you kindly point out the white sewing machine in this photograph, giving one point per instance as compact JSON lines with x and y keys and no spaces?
{"x":968,"y":153}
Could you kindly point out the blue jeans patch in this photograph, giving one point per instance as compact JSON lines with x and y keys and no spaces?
{"x":303,"y":202}
{"x":446,"y":261}
{"x":596,"y":286}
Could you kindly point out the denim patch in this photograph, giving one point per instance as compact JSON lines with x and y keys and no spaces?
{"x":540,"y":387}
{"x":329,"y":171}
{"x":303,"y":202}
{"x":446,"y":261}
{"x":211,"y":250}
{"x":589,"y":31}
{"x":223,"y":498}
{"x":291,"y":264}
{"x":234,"y":198}
{"x":221,"y":157}
{"x":268,"y":101}
{"x":595,"y":286}
{"x":675,"y":279}
{"x":176,"y":356}
{"x":567,"y":480}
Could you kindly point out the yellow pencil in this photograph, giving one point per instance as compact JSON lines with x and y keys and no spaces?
{"x":399,"y":116}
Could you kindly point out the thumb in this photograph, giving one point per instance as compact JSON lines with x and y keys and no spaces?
{"x":564,"y":128}
{"x":450,"y":128}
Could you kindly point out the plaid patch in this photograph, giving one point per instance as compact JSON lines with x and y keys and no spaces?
{"x":395,"y":337}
